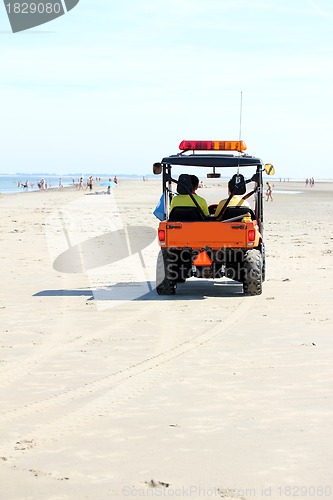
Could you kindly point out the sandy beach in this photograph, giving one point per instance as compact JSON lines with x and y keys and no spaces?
{"x":111,"y":391}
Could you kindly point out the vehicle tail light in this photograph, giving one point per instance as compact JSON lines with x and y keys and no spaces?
{"x":161,"y":234}
{"x":251,"y":235}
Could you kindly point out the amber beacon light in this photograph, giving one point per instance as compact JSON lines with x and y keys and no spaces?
{"x":213,"y":146}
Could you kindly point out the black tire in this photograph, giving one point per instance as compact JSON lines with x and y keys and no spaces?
{"x":263,"y":255}
{"x":263,"y":267}
{"x":252,"y":280}
{"x":164,"y":285}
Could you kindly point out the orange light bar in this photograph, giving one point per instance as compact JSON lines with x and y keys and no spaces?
{"x":213,"y":145}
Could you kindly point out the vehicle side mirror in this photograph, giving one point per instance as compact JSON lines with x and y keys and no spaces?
{"x":269,"y":169}
{"x":157,"y":168}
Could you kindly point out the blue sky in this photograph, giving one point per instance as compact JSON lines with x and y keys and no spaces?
{"x":115,"y":86}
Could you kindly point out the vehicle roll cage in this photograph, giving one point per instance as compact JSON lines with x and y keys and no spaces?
{"x":216,"y":161}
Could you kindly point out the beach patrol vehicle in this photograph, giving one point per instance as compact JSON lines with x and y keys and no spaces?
{"x":229,"y":243}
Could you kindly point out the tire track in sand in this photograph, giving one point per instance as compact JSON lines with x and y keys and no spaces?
{"x":105,"y":395}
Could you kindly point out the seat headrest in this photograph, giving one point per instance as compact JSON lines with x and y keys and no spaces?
{"x":237,"y":184}
{"x":184,"y":184}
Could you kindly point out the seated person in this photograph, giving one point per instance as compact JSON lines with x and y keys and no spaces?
{"x":185,"y":200}
{"x":235,"y":201}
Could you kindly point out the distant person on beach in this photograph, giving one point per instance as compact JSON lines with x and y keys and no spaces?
{"x":115,"y":180}
{"x":60,"y":183}
{"x":312,"y":182}
{"x":90,"y":183}
{"x":269,"y":192}
{"x":80,"y":184}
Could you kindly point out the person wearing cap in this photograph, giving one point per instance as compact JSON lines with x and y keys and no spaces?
{"x":235,"y":201}
{"x":185,"y":200}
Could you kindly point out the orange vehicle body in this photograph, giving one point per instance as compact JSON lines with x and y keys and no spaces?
{"x":206,"y":234}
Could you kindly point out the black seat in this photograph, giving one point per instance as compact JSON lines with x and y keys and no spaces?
{"x":185,"y":214}
{"x":212,"y":209}
{"x":232,"y":212}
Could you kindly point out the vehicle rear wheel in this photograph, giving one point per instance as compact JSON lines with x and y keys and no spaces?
{"x":263,"y":254}
{"x":252,"y":279}
{"x":263,"y":267}
{"x":164,"y":285}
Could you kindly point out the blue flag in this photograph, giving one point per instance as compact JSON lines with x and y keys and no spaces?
{"x":159,"y":211}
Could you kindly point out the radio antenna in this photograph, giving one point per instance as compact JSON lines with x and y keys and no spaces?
{"x":240,"y":116}
{"x":240,"y":126}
